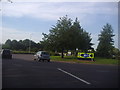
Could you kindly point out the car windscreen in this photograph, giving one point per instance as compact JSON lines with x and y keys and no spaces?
{"x":6,"y":51}
{"x":45,"y":53}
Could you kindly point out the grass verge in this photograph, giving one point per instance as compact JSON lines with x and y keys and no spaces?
{"x":22,"y":52}
{"x":72,"y":59}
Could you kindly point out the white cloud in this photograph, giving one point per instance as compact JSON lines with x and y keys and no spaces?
{"x":63,"y":0}
{"x":52,"y":11}
{"x":10,"y":33}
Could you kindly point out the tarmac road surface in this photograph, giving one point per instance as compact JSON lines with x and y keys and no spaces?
{"x":23,"y":72}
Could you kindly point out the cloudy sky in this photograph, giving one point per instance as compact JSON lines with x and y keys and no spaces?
{"x":28,"y":20}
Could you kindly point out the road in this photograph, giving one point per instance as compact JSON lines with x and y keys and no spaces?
{"x":23,"y":72}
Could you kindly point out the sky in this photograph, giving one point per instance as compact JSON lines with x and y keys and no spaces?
{"x":28,"y":20}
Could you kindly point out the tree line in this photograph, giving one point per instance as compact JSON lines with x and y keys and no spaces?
{"x":67,"y":35}
{"x":22,"y":45}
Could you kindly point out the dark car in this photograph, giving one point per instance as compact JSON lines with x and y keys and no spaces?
{"x":6,"y":53}
{"x":42,"y":55}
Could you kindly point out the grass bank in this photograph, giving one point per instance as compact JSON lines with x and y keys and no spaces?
{"x":98,"y":60}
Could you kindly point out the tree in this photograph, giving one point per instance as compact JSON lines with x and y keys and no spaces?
{"x":7,"y":45}
{"x":66,"y":35}
{"x":26,"y":43}
{"x":57,"y":38}
{"x":116,"y":53}
{"x":79,"y":38}
{"x":15,"y":45}
{"x":83,"y":38}
{"x":21,"y":45}
{"x":106,"y":42}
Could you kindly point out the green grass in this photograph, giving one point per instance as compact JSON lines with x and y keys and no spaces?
{"x":74,"y":59}
{"x":22,"y":52}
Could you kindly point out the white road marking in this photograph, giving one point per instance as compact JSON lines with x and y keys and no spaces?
{"x":74,"y":76}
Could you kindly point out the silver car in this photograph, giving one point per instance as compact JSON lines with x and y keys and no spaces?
{"x":41,"y":56}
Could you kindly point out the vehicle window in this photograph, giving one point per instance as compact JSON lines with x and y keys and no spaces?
{"x":46,"y":53}
{"x":6,"y":51}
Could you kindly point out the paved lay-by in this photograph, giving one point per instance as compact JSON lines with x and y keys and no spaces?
{"x":23,"y":72}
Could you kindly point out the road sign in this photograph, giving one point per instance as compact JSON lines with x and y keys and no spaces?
{"x":85,"y":55}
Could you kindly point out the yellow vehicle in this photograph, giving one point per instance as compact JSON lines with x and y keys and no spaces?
{"x":85,"y":56}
